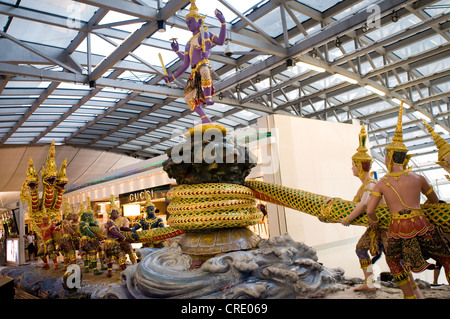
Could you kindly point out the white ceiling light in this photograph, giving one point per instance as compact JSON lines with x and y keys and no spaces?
{"x":345,"y":78}
{"x":422,"y":116}
{"x":310,"y":67}
{"x":375,"y":90}
{"x":397,"y":101}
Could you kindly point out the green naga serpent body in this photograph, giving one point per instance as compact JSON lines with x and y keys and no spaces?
{"x":332,"y":209}
{"x":150,"y":236}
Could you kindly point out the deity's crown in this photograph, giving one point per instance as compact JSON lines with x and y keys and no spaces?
{"x":361,"y":155}
{"x":397,"y":144}
{"x":148,"y":200}
{"x":193,"y":11}
{"x":112,"y":206}
{"x":82,"y":209}
{"x":441,"y":144}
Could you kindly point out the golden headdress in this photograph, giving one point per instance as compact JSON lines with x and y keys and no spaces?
{"x":397,"y":144}
{"x":67,"y":209}
{"x":441,"y":144}
{"x":361,"y":155}
{"x":89,"y":207}
{"x":193,"y":12}
{"x":112,"y":206}
{"x":82,"y":209}
{"x":148,"y":201}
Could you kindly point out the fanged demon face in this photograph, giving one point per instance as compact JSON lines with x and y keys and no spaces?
{"x":61,"y":183}
{"x":50,"y":180}
{"x":32,"y":185}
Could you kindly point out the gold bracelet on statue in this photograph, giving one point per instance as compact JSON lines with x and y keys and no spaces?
{"x":374,"y":221}
{"x":376,"y":194}
{"x":429,"y":191}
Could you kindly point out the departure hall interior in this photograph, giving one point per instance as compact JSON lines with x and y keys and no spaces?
{"x":100,"y":101}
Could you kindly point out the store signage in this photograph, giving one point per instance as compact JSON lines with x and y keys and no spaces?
{"x":140,"y":195}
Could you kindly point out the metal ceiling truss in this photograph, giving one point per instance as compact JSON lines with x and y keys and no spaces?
{"x":139,"y":115}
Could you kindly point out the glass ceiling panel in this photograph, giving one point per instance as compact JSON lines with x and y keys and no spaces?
{"x":437,"y":8}
{"x":41,"y":33}
{"x":65,"y":8}
{"x":319,"y":5}
{"x":420,"y":46}
{"x":360,"y":5}
{"x":389,"y":29}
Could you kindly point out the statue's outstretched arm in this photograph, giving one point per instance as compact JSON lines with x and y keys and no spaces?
{"x":220,"y":40}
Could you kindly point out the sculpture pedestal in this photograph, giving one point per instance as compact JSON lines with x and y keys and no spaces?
{"x":276,"y":268}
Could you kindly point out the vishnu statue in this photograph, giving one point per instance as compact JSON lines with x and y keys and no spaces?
{"x":373,"y":237}
{"x":151,"y":221}
{"x":412,"y":239}
{"x":199,"y":88}
{"x":90,"y":243}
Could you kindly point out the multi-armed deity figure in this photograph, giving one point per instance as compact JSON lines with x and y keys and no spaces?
{"x":199,"y":88}
{"x":151,"y":221}
{"x":411,"y":238}
{"x":113,"y":245}
{"x":70,"y":240}
{"x":90,"y":243}
{"x":44,"y":212}
{"x":373,"y":237}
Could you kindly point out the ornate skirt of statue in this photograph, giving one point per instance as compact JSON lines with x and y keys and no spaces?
{"x":200,"y":78}
{"x":88,"y":244}
{"x":66,"y":243}
{"x":112,"y":248}
{"x":370,"y":241}
{"x":413,"y":239}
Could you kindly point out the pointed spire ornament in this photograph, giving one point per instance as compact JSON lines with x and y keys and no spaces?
{"x":441,"y":144}
{"x":193,"y":12}
{"x":361,"y":155}
{"x":397,"y":144}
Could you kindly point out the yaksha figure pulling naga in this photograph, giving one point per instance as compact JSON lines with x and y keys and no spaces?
{"x":116,"y":243}
{"x":199,"y":88}
{"x":90,"y":243}
{"x":70,"y":239}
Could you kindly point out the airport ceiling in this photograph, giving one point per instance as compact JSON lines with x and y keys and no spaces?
{"x":331,"y":60}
